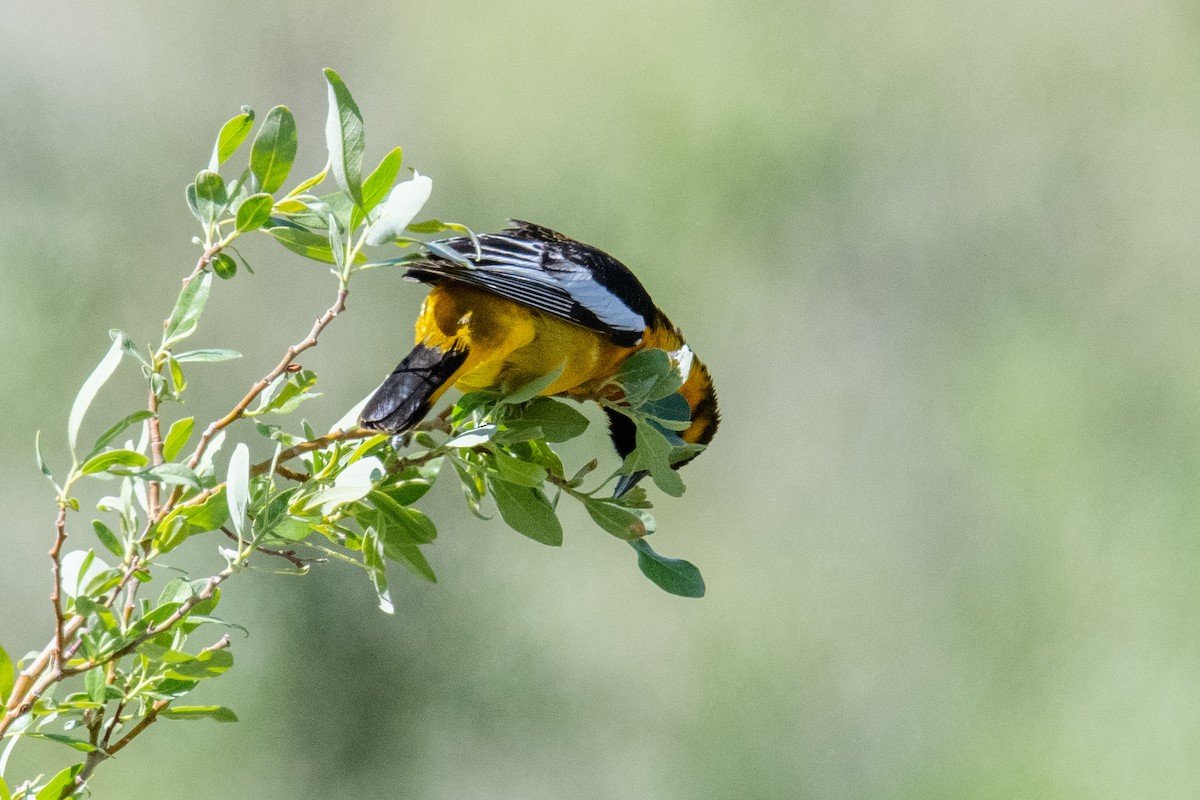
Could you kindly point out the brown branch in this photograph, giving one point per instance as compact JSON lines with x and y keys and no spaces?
{"x":295,"y":350}
{"x":164,"y":626}
{"x":156,"y":452}
{"x":60,"y":525}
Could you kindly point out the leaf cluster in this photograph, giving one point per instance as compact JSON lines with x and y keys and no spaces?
{"x":119,"y":661}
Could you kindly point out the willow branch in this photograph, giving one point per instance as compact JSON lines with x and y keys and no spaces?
{"x":289,"y":357}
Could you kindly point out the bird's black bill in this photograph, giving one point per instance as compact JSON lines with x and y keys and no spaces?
{"x":404,"y":398}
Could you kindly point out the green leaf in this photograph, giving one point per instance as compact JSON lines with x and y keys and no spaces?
{"x":344,"y":137}
{"x":309,"y":183}
{"x":177,"y":437}
{"x":237,"y":488}
{"x":672,"y":575}
{"x":671,"y":412}
{"x":376,"y":186}
{"x":223,"y":266}
{"x":211,"y":195}
{"x":410,"y":556}
{"x":232,"y":134}
{"x":618,"y":521}
{"x":4,"y":793}
{"x":473,"y":437}
{"x":114,"y":458}
{"x":178,"y":381}
{"x":95,"y":684}
{"x":372,"y":551}
{"x":535,"y":387}
{"x":218,"y":713}
{"x":186,"y":315}
{"x":211,"y":664}
{"x":274,"y":149}
{"x":514,"y":470}
{"x":402,"y":205}
{"x":210,"y":354}
{"x":174,"y":474}
{"x":254,"y":211}
{"x":648,"y":375}
{"x":653,"y":451}
{"x":353,"y":483}
{"x":61,"y":783}
{"x":285,"y":396}
{"x":130,"y":347}
{"x":41,"y":461}
{"x":304,"y":242}
{"x":8,"y":676}
{"x":527,"y":511}
{"x":74,"y":744}
{"x":411,"y":523}
{"x":91,"y":386}
{"x":558,"y":421}
{"x":109,"y":539}
{"x":116,"y":430}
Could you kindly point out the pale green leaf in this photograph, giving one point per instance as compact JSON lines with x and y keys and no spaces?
{"x":237,"y":487}
{"x":188,"y":308}
{"x":344,"y":137}
{"x":177,"y":437}
{"x":87,"y":393}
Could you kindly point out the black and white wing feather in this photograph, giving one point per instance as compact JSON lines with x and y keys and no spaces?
{"x":545,"y":270}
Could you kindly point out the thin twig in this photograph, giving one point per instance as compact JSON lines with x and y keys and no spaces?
{"x":60,"y":525}
{"x":290,"y":555}
{"x":184,"y":609}
{"x":295,"y":350}
{"x":156,"y":452}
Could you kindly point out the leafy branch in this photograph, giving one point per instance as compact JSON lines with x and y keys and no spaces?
{"x":118,"y":662}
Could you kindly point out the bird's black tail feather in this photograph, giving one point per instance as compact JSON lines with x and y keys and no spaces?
{"x":404,"y":398}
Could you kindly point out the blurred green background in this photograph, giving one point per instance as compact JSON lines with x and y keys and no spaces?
{"x":942,"y":259}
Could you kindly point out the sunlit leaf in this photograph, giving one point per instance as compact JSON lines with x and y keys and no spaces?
{"x":401,"y":207}
{"x":7,"y":676}
{"x":91,"y":386}
{"x":61,"y":783}
{"x":177,"y":437}
{"x":237,"y":487}
{"x":376,"y":185}
{"x":274,"y":149}
{"x":232,"y":134}
{"x":254,"y":211}
{"x":188,"y":308}
{"x":111,"y":458}
{"x":344,"y":137}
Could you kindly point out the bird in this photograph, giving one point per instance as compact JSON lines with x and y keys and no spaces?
{"x":510,"y":307}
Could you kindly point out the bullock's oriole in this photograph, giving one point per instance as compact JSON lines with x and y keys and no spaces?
{"x":517,"y":305}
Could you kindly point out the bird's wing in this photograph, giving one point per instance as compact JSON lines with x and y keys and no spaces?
{"x":547,"y":271}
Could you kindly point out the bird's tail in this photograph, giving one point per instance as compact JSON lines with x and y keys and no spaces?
{"x":415,"y":385}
